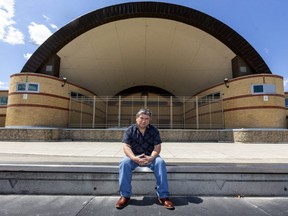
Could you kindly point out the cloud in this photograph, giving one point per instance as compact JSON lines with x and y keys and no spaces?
{"x":46,"y":18}
{"x":266,"y":50}
{"x":14,"y":36}
{"x":286,"y":84}
{"x":38,"y":33}
{"x":4,"y":85}
{"x":27,"y":55}
{"x":8,"y":33}
{"x":53,"y":26}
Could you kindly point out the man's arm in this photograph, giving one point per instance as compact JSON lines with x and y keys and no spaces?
{"x":154,"y":154}
{"x":129,"y":153}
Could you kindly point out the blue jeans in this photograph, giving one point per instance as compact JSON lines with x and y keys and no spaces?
{"x":158,"y":166}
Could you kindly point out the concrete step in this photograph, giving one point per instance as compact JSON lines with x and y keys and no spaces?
{"x":197,"y":179}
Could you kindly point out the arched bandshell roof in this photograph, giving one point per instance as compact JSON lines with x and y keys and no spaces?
{"x":144,"y":15}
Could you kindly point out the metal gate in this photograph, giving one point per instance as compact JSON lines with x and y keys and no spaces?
{"x":182,"y":112}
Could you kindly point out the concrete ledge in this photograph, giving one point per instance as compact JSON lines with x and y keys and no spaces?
{"x":198,"y":179}
{"x":168,"y":135}
{"x":187,"y":168}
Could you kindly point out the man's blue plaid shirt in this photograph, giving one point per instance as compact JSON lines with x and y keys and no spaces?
{"x":142,"y":144}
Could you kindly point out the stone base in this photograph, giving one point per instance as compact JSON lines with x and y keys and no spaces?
{"x":168,"y":135}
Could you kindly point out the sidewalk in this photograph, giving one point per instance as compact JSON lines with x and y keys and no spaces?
{"x":111,"y":152}
{"x":14,"y":205}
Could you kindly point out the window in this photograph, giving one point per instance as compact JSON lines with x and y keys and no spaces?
{"x":286,"y":102}
{"x":80,"y":97}
{"x":263,"y":89}
{"x":76,"y":95}
{"x":258,"y":89}
{"x":27,"y":87}
{"x":33,"y":87}
{"x":49,"y":68}
{"x":21,"y":86}
{"x":3,"y":100}
{"x":243,"y":69}
{"x":209,"y":98}
{"x":216,"y":96}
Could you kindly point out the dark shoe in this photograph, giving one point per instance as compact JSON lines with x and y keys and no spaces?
{"x":167,"y":203}
{"x":122,"y":202}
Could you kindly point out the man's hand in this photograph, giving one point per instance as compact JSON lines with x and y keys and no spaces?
{"x":139,"y":159}
{"x":143,"y":159}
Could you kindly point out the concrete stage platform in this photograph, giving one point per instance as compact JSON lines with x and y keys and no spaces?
{"x":91,"y":168}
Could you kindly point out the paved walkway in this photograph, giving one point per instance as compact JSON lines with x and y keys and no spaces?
{"x":15,"y":205}
{"x":111,"y":152}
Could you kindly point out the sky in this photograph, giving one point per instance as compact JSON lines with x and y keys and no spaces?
{"x":26,"y":24}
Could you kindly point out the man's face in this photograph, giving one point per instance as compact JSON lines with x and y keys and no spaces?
{"x":143,"y":120}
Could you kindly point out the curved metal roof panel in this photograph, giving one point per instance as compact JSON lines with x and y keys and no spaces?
{"x":152,"y":10}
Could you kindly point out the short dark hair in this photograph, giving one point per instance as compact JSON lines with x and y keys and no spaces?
{"x":144,"y":111}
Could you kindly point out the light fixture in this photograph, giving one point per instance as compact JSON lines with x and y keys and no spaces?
{"x":226,"y":80}
{"x":64,"y":81}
